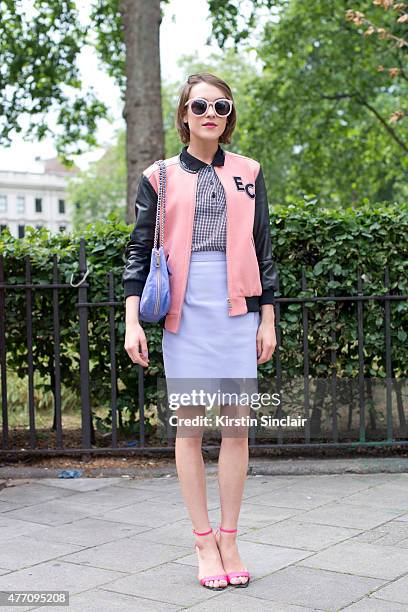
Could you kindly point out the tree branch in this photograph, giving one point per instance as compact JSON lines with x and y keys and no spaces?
{"x":381,"y":119}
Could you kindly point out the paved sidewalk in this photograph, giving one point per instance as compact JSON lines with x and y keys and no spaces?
{"x":312,"y":542}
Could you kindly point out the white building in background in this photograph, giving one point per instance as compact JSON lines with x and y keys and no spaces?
{"x":36,"y":199}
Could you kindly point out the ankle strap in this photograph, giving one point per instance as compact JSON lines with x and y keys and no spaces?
{"x":203,"y":532}
{"x":227,"y":530}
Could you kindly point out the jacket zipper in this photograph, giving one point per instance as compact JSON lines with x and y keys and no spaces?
{"x":190,"y":241}
{"x":226,"y":256}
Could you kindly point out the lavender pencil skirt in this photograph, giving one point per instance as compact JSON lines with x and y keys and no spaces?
{"x":210,"y":344}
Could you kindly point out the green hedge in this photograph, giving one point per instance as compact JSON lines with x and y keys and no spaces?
{"x":304,"y":236}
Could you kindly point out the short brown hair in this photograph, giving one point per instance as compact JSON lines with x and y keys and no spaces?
{"x":206,"y":77}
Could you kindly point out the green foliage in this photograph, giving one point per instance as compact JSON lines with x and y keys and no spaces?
{"x":39,"y":48}
{"x":319,"y":114}
{"x":232,"y":21}
{"x":305,"y":237}
{"x":315,"y":110}
{"x":109,"y":41}
{"x":101,"y":189}
{"x":320,"y":241}
{"x":105,"y":243}
{"x":311,"y":116}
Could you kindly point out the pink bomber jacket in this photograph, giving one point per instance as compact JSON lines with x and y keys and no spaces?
{"x":252,"y":275}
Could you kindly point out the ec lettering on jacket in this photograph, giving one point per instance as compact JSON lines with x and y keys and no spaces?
{"x":247,"y":188}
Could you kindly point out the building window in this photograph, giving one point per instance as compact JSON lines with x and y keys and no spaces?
{"x":3,"y":227}
{"x":20,"y":205}
{"x":38,"y":226}
{"x":3,"y":203}
{"x":21,"y":231}
{"x":38,"y":205}
{"x":62,"y":228}
{"x":61,"y":206}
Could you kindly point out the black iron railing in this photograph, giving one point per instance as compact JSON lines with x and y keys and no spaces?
{"x":87,"y":442}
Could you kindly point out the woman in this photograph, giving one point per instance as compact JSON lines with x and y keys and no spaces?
{"x":222,"y":282}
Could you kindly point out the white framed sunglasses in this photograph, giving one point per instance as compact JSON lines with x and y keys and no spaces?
{"x":222,"y":106}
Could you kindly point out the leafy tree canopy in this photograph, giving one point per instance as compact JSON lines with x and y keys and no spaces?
{"x":39,"y":76}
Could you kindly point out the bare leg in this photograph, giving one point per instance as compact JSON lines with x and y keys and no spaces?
{"x":232,"y":471}
{"x":191,"y":474}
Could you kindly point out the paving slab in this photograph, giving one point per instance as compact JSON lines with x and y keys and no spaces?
{"x":314,"y":588}
{"x":174,"y":496}
{"x":372,"y":604}
{"x":23,"y":551}
{"x":108,"y":498}
{"x":10,"y":527}
{"x":57,"y":575}
{"x":396,"y":591}
{"x":372,"y":560}
{"x":403,"y":517}
{"x":99,"y":599}
{"x":343,"y":485}
{"x":393,"y":533}
{"x":148,"y":513}
{"x":87,"y":532}
{"x":130,"y":555}
{"x":292,"y":497}
{"x":54,"y":512}
{"x":392,"y":496}
{"x":349,"y":515}
{"x":81,"y":484}
{"x":257,"y":515}
{"x":236,"y":600}
{"x":307,"y":536}
{"x":30,"y":493}
{"x":6,"y":506}
{"x":172,"y":583}
{"x":178,"y":533}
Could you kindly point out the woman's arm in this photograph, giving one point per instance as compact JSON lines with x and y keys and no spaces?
{"x":138,"y":249}
{"x":266,"y":336}
{"x":138,"y":254}
{"x":263,"y":244}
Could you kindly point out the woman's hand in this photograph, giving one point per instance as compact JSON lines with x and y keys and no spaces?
{"x":135,"y":339}
{"x":136,"y":344}
{"x":266,"y":336}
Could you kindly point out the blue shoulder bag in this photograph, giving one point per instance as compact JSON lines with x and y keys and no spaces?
{"x":155,"y":299}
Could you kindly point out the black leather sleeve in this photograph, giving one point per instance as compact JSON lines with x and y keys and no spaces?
{"x":138,"y":249}
{"x":263,"y":244}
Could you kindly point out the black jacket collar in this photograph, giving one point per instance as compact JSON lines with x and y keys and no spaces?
{"x":193,"y":164}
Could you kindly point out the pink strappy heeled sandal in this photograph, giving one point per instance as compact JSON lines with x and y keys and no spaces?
{"x":242,"y":573}
{"x":207,"y":578}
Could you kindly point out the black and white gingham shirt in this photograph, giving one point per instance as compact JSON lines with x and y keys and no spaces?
{"x":210,"y":219}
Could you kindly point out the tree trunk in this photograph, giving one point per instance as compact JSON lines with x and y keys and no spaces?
{"x":143,"y":110}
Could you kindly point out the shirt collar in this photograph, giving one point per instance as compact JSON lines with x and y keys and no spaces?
{"x":194,"y":164}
